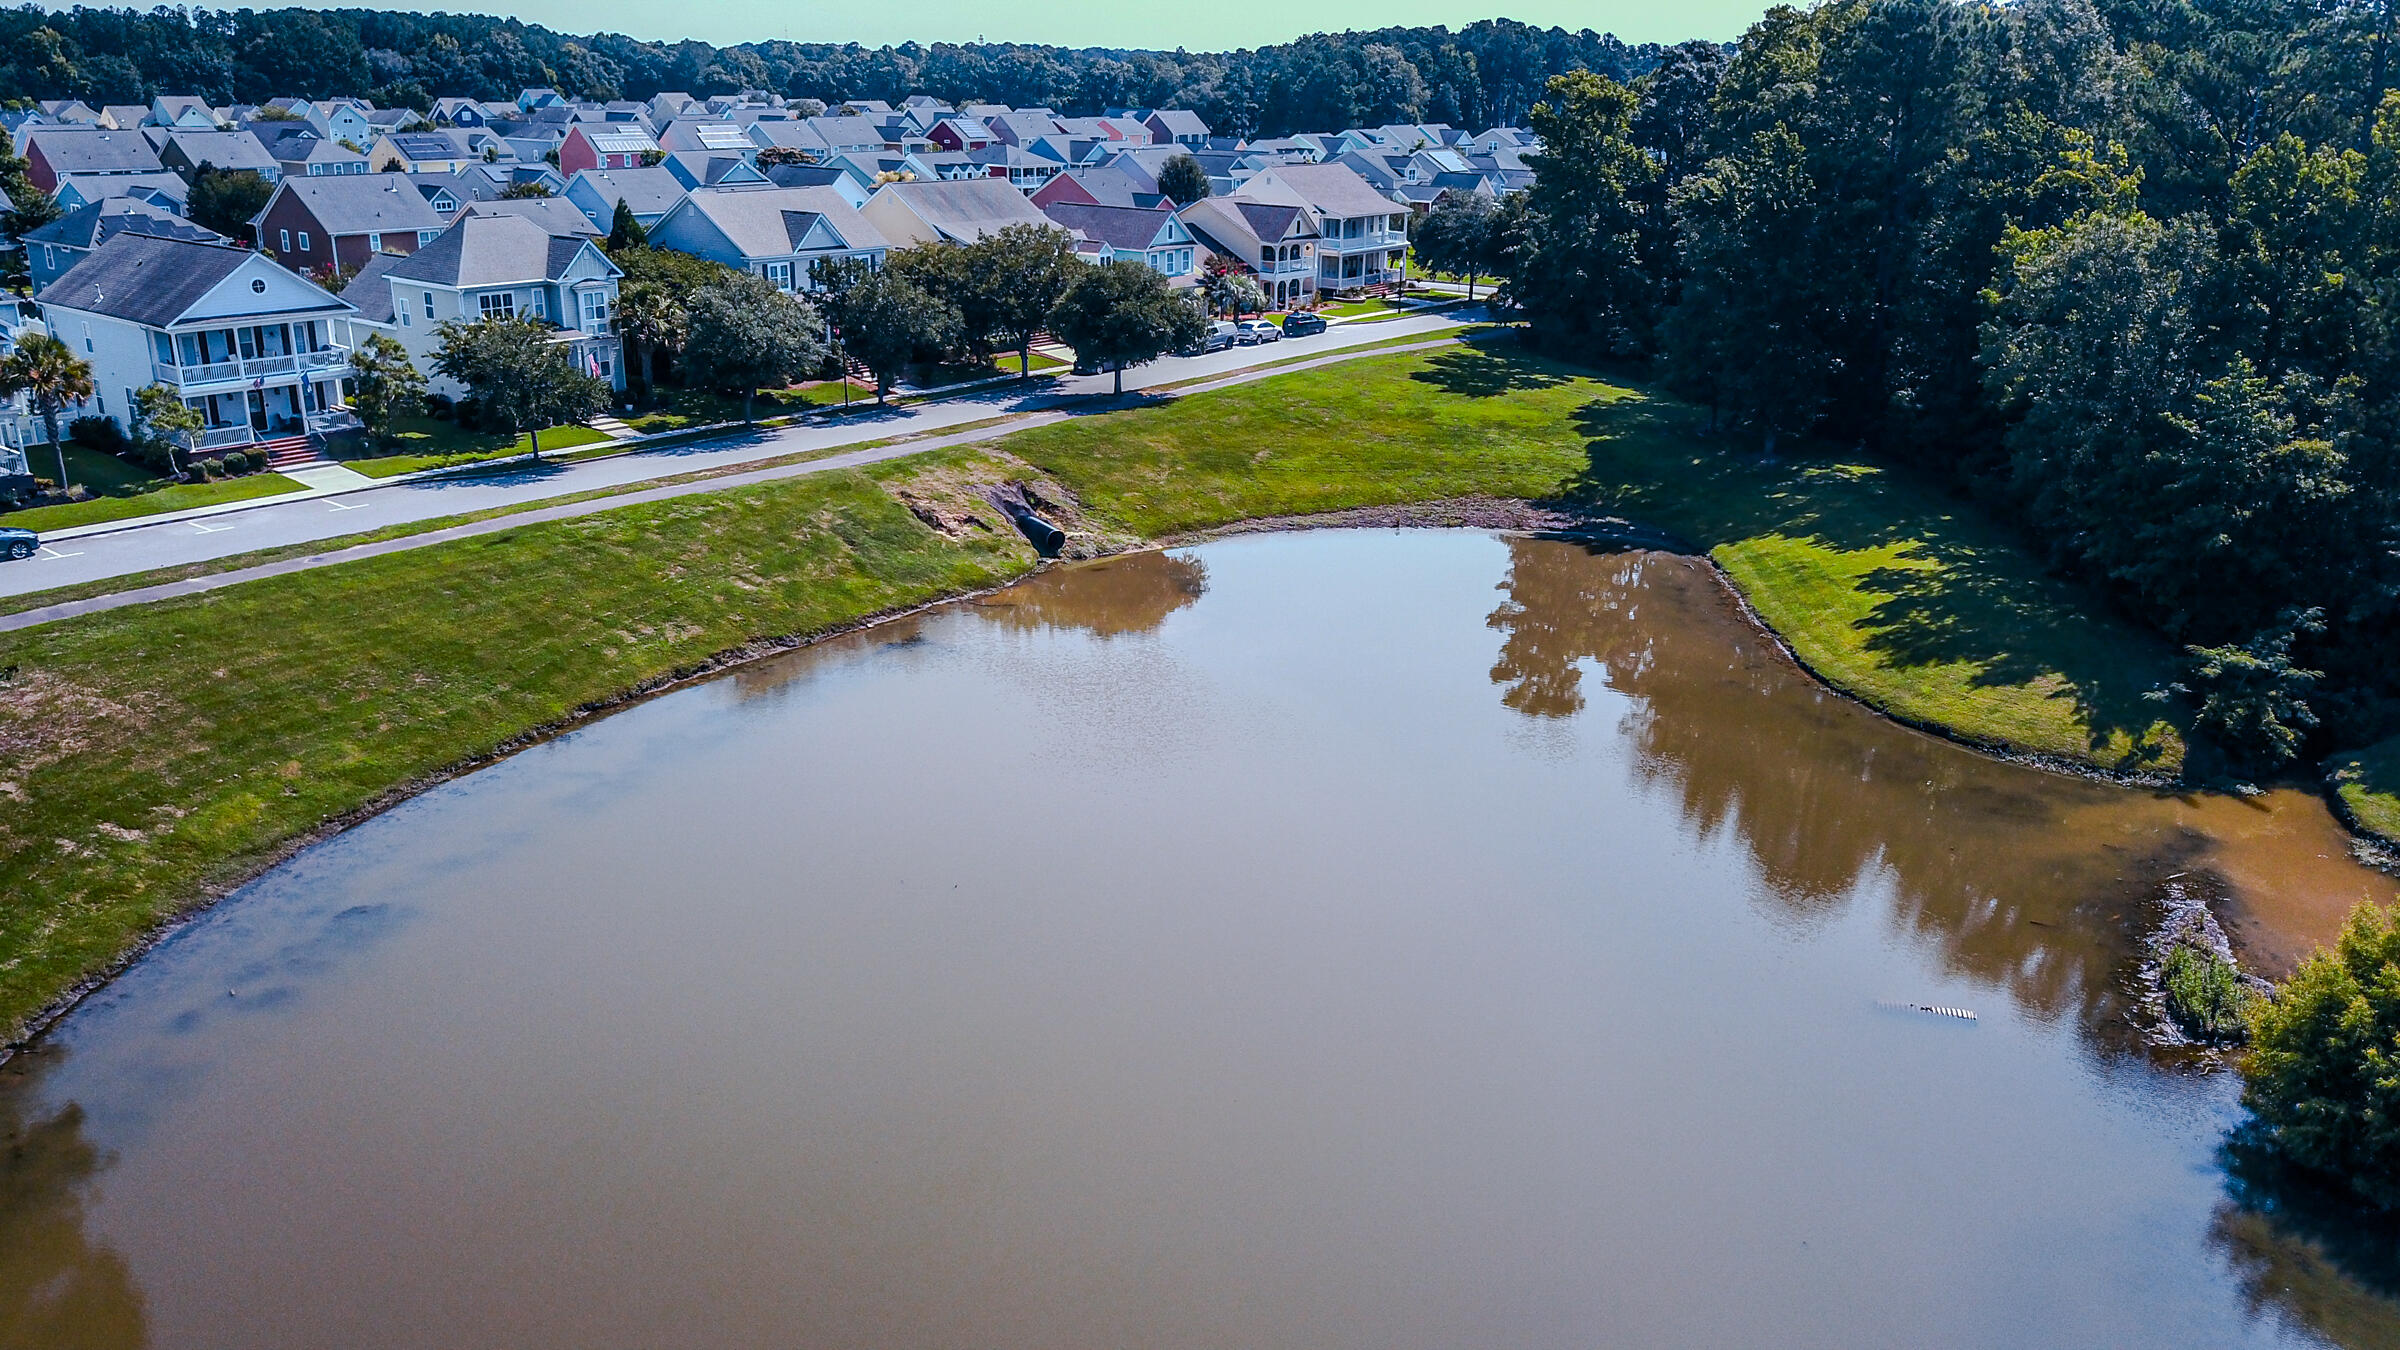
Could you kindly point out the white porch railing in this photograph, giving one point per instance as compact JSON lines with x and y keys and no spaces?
{"x":204,"y":374}
{"x":257,"y":367}
{"x":225,"y":438}
{"x":332,"y":358}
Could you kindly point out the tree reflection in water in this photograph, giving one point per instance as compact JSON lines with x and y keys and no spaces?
{"x":59,"y":1290}
{"x":2033,"y":883}
{"x":1133,"y":593}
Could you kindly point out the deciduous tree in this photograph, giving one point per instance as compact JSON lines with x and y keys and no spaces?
{"x":744,"y":334}
{"x":1124,"y":314}
{"x":385,"y":386}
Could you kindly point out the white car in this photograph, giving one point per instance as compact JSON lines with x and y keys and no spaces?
{"x":1251,"y":332}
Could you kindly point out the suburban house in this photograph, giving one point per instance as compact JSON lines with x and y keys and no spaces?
{"x":703,"y":168}
{"x":818,"y":175}
{"x":796,"y":136}
{"x":1107,"y":184}
{"x":184,"y":113}
{"x":555,"y":214}
{"x":959,"y":133}
{"x":1276,"y":243}
{"x":951,"y":213}
{"x":339,"y":119}
{"x":1152,"y":237}
{"x":1362,"y":235}
{"x":68,"y":112}
{"x":1178,"y":126}
{"x":54,"y":248}
{"x":773,"y":232}
{"x":420,"y":152}
{"x":298,"y":151}
{"x":1017,"y":128}
{"x":249,"y":344}
{"x":606,"y":145}
{"x":507,"y":266}
{"x":233,"y":151}
{"x":850,"y":135}
{"x":161,"y":189}
{"x":314,"y":223}
{"x":53,"y":153}
{"x":459,"y":112}
{"x":124,"y":116}
{"x":709,"y":135}
{"x":649,"y":193}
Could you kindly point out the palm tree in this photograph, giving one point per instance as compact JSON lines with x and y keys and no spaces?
{"x":49,"y":370}
{"x":649,"y":317}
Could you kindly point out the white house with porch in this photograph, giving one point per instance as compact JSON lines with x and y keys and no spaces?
{"x":513,"y":267}
{"x":251,"y":345}
{"x":1362,"y":235}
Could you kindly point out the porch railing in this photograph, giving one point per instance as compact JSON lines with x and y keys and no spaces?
{"x":225,"y":438}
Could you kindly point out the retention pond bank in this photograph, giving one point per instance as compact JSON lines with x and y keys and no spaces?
{"x":1359,"y":938}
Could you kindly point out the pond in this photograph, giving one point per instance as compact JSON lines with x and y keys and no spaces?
{"x":1375,"y":939}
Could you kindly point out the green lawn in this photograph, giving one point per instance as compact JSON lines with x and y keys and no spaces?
{"x":431,"y":443}
{"x":1887,"y":588}
{"x":182,"y":497}
{"x":156,"y":749}
{"x":91,"y":470}
{"x":1359,"y":309}
{"x":2369,"y":783}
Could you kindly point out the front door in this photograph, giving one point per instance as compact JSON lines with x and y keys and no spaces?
{"x":258,"y":410}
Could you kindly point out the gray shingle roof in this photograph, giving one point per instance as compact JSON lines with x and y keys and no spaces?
{"x":763,"y":222}
{"x":95,"y":223}
{"x":1130,"y":228}
{"x":969,"y":208}
{"x":363,"y":203}
{"x":145,"y":279}
{"x":555,"y":214}
{"x":222,"y":150}
{"x":649,"y":192}
{"x":1332,"y":189}
{"x":370,"y":292}
{"x":76,"y":150}
{"x":491,"y":250}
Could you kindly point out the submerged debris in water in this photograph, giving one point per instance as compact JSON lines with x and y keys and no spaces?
{"x":1938,"y":1010}
{"x":2194,"y":991}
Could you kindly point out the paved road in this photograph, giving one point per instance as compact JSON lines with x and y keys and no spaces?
{"x":174,"y":543}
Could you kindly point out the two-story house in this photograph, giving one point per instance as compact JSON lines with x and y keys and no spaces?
{"x":340,"y":119}
{"x":313,"y":224}
{"x":420,"y":152}
{"x":951,"y":213}
{"x":52,"y":153}
{"x":184,"y":113}
{"x":606,"y":145}
{"x":251,"y":345}
{"x":775,"y":232}
{"x":1362,"y":235}
{"x":1178,"y":126}
{"x":164,"y":190}
{"x":298,"y":151}
{"x":648,"y":193}
{"x":185,"y":152}
{"x":507,"y":266}
{"x":1150,"y":236}
{"x":1275,"y":242}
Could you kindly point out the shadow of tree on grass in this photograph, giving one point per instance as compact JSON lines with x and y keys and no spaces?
{"x":1474,"y":372}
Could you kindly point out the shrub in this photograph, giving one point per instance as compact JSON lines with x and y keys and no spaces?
{"x":212,"y":468}
{"x":236,"y":462}
{"x":2205,"y":995}
{"x":440,"y":405}
{"x":2323,"y":1075}
{"x":99,"y":433}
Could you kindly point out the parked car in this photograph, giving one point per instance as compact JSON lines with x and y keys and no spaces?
{"x":1250,"y":332}
{"x":1220,"y":335}
{"x":1304,"y":323}
{"x":1091,"y":365}
{"x":18,"y":543}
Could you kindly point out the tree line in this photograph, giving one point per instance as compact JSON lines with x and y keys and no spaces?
{"x":1484,"y":74}
{"x":2125,"y":270}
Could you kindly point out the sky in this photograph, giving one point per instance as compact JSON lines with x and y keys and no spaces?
{"x":1215,"y":25}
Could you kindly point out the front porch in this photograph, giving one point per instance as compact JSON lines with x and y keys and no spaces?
{"x":240,"y":418}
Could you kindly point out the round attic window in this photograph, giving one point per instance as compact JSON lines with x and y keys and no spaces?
{"x":258,"y":285}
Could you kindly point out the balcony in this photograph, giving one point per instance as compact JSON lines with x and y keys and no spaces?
{"x":254,"y":368}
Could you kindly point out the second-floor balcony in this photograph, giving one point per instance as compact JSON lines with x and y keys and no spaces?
{"x":322,"y":361}
{"x":1363,"y":241}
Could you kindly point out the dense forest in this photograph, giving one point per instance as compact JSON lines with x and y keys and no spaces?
{"x":2127,"y":270}
{"x":1485,"y":74}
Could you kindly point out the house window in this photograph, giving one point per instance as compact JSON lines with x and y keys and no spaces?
{"x":595,"y":311}
{"x":498,"y":305}
{"x":304,"y":241}
{"x":374,"y":243}
{"x":541,"y":307}
{"x":780,"y":273}
{"x":87,"y":339}
{"x":286,"y":238}
{"x":426,"y":236}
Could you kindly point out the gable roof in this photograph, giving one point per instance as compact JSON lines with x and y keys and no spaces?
{"x":1331,"y":189}
{"x":616,"y":138}
{"x":649,"y":192}
{"x":416,"y":145}
{"x":1132,"y":229}
{"x":80,"y":150}
{"x":361,"y":203}
{"x":92,"y":187}
{"x":149,"y":280}
{"x":555,"y":214}
{"x":1180,"y":122}
{"x":369,"y":290}
{"x":234,"y":150}
{"x":94,"y":223}
{"x":494,"y":250}
{"x":966,"y":209}
{"x":763,"y":222}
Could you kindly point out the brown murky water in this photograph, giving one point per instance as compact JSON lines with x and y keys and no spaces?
{"x":1351,"y":939}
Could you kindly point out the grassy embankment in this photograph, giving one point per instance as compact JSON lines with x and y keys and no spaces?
{"x":149,"y":752}
{"x":2368,"y":782}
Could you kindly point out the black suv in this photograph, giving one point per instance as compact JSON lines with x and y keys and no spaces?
{"x":1303,"y":324}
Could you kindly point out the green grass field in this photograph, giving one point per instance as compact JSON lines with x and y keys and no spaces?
{"x":181,"y":497}
{"x":430,"y":443}
{"x":151,"y":751}
{"x":2369,"y":784}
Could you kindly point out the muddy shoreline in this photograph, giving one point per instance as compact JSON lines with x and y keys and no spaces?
{"x":1498,"y":514}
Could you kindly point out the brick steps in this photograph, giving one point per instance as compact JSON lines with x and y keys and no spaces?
{"x":291,"y":452}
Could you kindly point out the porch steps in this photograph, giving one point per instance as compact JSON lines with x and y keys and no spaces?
{"x":290,"y":452}
{"x":610,"y":427}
